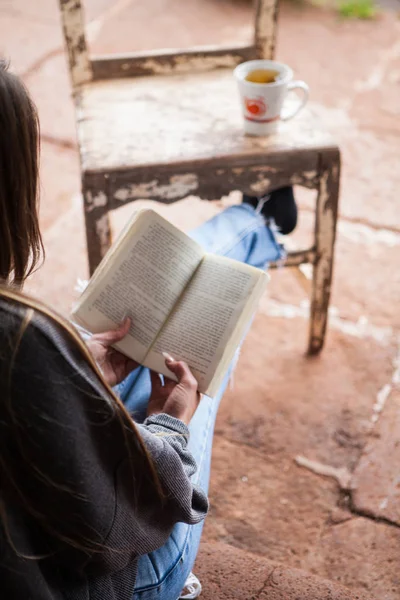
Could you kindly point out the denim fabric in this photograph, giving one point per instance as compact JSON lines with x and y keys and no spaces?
{"x":238,"y":233}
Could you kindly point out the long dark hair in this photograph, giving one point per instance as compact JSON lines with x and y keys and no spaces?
{"x":20,"y":240}
{"x":141,"y":464}
{"x":20,"y":251}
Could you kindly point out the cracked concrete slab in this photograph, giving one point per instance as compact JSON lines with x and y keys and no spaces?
{"x":51,"y":90}
{"x":29,"y":40}
{"x":370,"y":179}
{"x":366,"y":274}
{"x":349,"y":51}
{"x":319,"y":408}
{"x":359,"y":553}
{"x":376,"y":480}
{"x":172,"y":24}
{"x":57,"y":194}
{"x":256,"y":508}
{"x":231,"y":574}
{"x":46,"y":11}
{"x":55,"y":281}
{"x":261,"y":501}
{"x":357,"y":100}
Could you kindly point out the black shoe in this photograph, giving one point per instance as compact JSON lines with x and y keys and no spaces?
{"x":281,"y":207}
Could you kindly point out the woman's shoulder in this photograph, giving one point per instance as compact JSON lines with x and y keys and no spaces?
{"x":11,"y":312}
{"x":22,"y":318}
{"x":43,"y":341}
{"x":32,"y":327}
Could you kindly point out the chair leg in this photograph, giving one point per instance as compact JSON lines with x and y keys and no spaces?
{"x":97,"y":222}
{"x":325,"y":232}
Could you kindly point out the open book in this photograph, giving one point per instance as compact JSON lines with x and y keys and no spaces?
{"x":182,"y":300}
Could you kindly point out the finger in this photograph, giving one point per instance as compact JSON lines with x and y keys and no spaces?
{"x":184,"y":375}
{"x":114,"y":335}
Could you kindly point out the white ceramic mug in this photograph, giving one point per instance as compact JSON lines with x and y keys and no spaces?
{"x":262,"y":103}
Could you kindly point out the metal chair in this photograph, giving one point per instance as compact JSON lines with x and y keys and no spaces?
{"x":165,"y":125}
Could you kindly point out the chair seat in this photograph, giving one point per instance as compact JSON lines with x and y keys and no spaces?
{"x":168,"y":120}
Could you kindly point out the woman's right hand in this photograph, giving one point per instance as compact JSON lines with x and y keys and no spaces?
{"x":177,"y":399}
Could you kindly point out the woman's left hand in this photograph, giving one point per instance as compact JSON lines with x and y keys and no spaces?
{"x":114,"y":365}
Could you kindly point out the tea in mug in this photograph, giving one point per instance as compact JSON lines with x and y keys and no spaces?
{"x":262,"y":76}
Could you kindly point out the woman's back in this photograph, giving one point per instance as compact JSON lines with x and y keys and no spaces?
{"x":76,"y":513}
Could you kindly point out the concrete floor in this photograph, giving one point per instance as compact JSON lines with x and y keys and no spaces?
{"x":340,"y":410}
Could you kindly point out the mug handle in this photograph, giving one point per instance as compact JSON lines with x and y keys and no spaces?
{"x":293,"y":85}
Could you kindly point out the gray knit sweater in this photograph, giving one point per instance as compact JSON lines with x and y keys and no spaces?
{"x":65,"y":455}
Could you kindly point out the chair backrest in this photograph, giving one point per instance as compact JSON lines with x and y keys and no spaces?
{"x":84,"y":69}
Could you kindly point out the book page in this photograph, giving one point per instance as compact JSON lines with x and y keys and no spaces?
{"x":238,"y":334}
{"x":144,"y":280}
{"x":201,"y":325}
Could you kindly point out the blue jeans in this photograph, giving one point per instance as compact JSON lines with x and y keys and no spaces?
{"x":239,"y":233}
